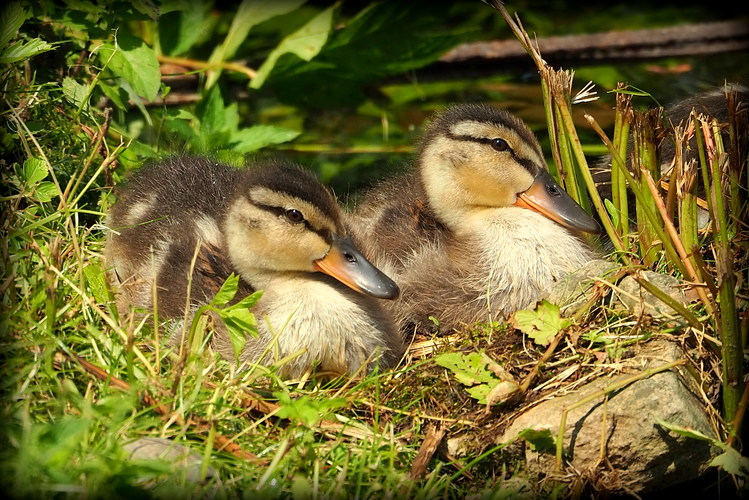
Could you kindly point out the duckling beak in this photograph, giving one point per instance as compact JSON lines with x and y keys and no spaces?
{"x":548,"y":198}
{"x":346,"y":263}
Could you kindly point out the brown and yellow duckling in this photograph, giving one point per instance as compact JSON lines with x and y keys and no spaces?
{"x":282,"y":232}
{"x":478,"y":229}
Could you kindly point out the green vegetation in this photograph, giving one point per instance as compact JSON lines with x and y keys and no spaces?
{"x":92,"y":90}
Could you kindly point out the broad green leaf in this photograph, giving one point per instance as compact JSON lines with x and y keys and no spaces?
{"x":95,"y":278}
{"x":45,"y":191}
{"x":259,"y":136}
{"x":135,"y":62}
{"x":306,"y":409}
{"x":732,"y":462}
{"x":21,"y":50}
{"x":76,"y":93}
{"x":146,"y":7}
{"x":183,"y":28}
{"x":469,"y":369}
{"x":540,"y":440}
{"x":305,"y":43}
{"x":34,"y":171}
{"x":214,"y":117}
{"x":541,"y":324}
{"x":227,"y":291}
{"x":249,"y":14}
{"x":116,"y":94}
{"x":338,"y":74}
{"x":479,"y":392}
{"x":11,"y":19}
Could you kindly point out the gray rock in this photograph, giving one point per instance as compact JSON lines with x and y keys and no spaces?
{"x":572,"y":291}
{"x":639,"y":301}
{"x":184,"y":461}
{"x":644,"y":456}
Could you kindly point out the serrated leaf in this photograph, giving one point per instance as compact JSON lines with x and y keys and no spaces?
{"x":468,"y":369}
{"x":249,"y":14}
{"x":34,"y":171}
{"x":21,"y":50}
{"x":259,"y":136}
{"x":541,"y":324}
{"x":12,"y":17}
{"x":305,"y":43}
{"x":732,"y":462}
{"x":45,"y":192}
{"x":135,"y":62}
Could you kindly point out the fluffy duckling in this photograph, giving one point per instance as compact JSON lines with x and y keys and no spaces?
{"x":478,"y":229}
{"x":282,"y":232}
{"x":713,"y":103}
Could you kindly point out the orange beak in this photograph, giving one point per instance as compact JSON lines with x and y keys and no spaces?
{"x":346,"y":263}
{"x":548,"y":198}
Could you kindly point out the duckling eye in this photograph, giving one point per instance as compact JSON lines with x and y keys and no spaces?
{"x":294,"y":215}
{"x":499,"y":144}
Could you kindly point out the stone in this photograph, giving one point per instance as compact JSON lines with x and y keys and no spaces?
{"x":572,"y":291}
{"x":645,"y":456}
{"x":183,"y":460}
{"x":639,"y":301}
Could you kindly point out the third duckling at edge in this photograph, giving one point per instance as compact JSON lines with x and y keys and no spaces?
{"x":478,"y":229}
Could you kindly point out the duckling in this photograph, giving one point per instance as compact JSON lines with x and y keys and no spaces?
{"x":282,"y":232}
{"x":712,"y":103}
{"x":478,"y":229}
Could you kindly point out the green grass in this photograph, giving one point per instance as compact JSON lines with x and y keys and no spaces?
{"x":79,"y":381}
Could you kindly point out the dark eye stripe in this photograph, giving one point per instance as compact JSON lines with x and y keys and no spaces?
{"x":526,"y":163}
{"x":281,"y":212}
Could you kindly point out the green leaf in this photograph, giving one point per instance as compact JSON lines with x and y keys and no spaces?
{"x":540,"y":440}
{"x":11,"y":19}
{"x":180,"y":30}
{"x":259,"y":136}
{"x":76,"y":93}
{"x":227,"y":291}
{"x":34,"y":171}
{"x":305,"y":43}
{"x":21,"y":50}
{"x":541,"y":325}
{"x":45,"y":191}
{"x":306,"y":409}
{"x":469,"y":369}
{"x":613,"y":212}
{"x":146,"y":7}
{"x":249,"y":14}
{"x":214,"y":117}
{"x":135,"y":62}
{"x":687,"y":432}
{"x":338,"y":74}
{"x":95,"y":278}
{"x":732,"y":462}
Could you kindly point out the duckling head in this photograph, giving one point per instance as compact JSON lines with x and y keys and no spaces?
{"x":282,"y":220}
{"x":475,"y":158}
